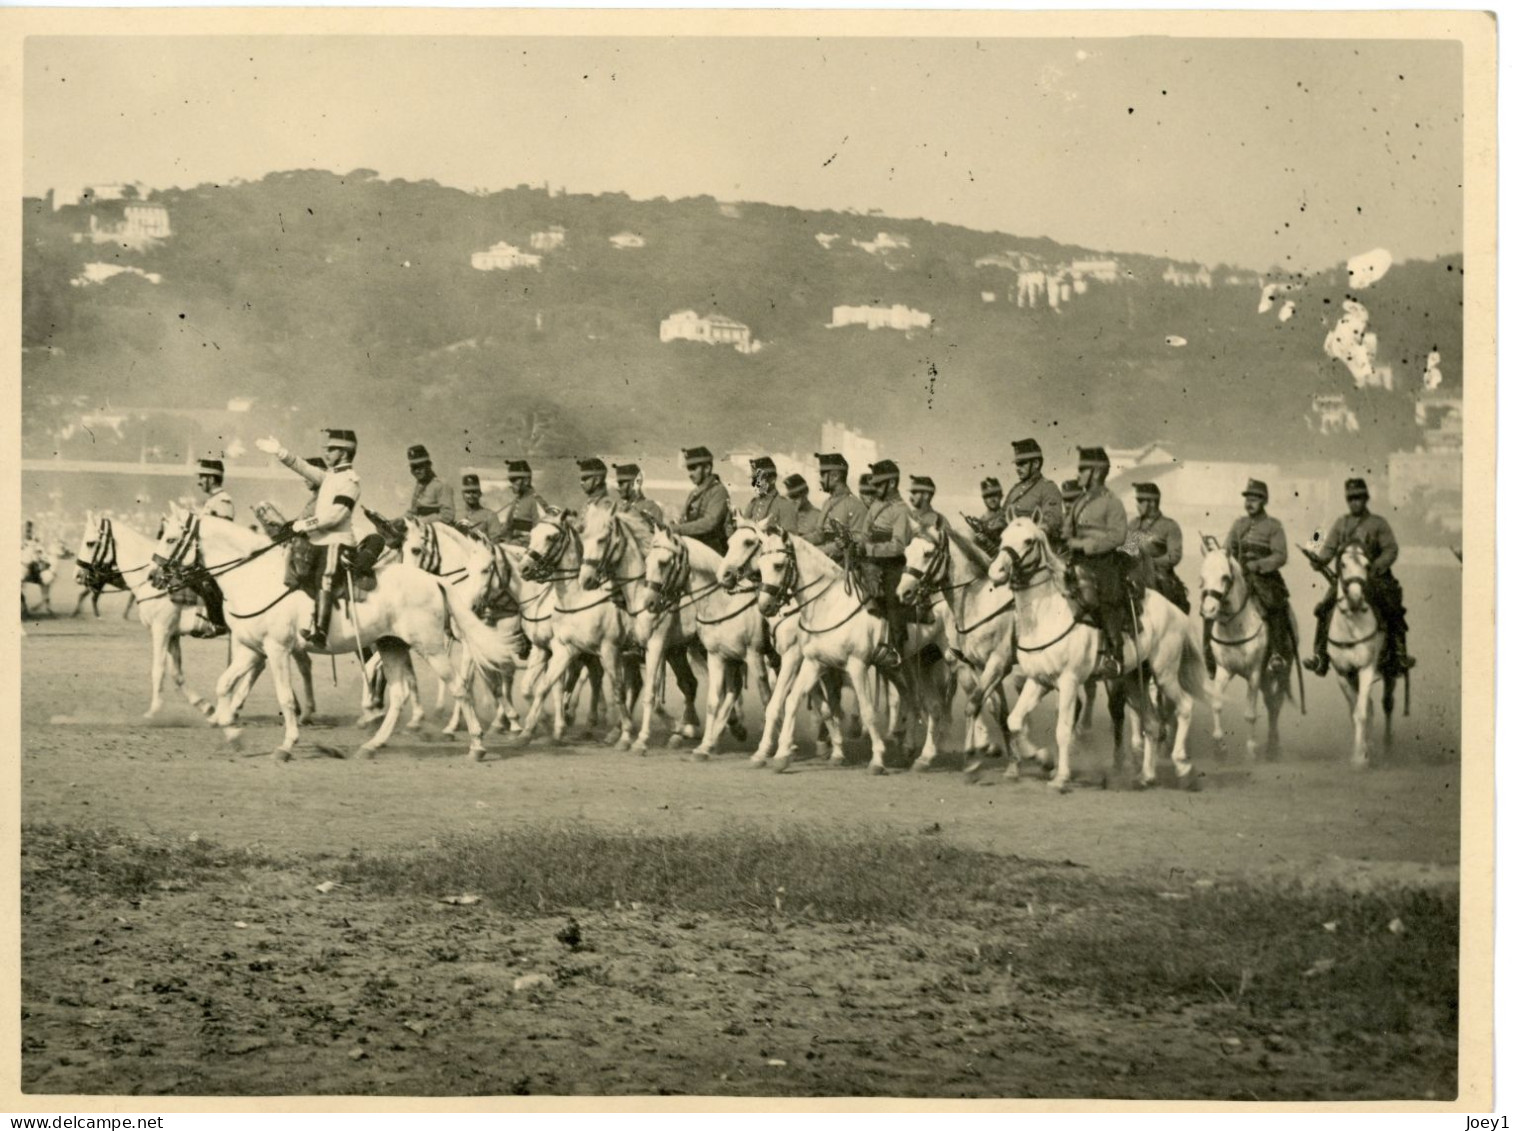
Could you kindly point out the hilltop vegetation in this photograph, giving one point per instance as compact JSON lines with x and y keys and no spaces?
{"x":349,"y":296}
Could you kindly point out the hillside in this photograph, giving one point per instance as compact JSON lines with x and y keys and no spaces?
{"x":352,"y":299}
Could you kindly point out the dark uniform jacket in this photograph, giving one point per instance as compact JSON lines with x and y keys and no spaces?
{"x":1035,"y":498}
{"x":809,"y":521}
{"x":483,"y":520}
{"x":772,"y":505}
{"x":519,"y":516}
{"x":432,"y":501}
{"x":1097,"y":524}
{"x":642,"y":506}
{"x":705,"y":515}
{"x":844,"y":508}
{"x":1371,"y":532}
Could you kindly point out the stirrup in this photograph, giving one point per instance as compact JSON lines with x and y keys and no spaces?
{"x":1277,"y":663}
{"x":1107,"y":667}
{"x":207,"y":630}
{"x":886,"y":657}
{"x":1319,"y":665}
{"x":316,"y":637}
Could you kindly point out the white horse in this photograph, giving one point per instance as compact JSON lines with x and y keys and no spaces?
{"x":112,"y":554}
{"x":266,"y":618}
{"x":1239,"y":640}
{"x":836,"y":632}
{"x":681,"y":575}
{"x":1057,"y":650}
{"x":949,"y":566}
{"x":583,"y":622}
{"x":1357,"y":638}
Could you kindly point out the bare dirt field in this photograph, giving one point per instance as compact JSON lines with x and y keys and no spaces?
{"x":1288,"y":931}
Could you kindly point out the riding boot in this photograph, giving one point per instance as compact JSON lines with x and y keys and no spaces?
{"x":1401,"y":654}
{"x":1209,"y":663}
{"x":1320,"y":664}
{"x":214,"y":624}
{"x":1111,"y":658}
{"x":1279,"y":637}
{"x":316,"y":635}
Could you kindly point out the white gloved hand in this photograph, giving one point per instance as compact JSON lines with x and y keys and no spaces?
{"x":268,"y":445}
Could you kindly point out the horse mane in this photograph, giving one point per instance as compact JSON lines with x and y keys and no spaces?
{"x":638,"y":527}
{"x":702,"y":556}
{"x":967,"y":547}
{"x":815,"y":557}
{"x":242,"y":539}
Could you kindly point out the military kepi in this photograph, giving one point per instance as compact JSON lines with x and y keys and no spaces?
{"x":831,"y":461}
{"x":342,"y":438}
{"x":1255,"y":489}
{"x":1091,"y":457}
{"x":795,"y":484}
{"x":417,"y":454}
{"x":518,"y":469}
{"x":1027,"y":449}
{"x":885,"y":469}
{"x":627,"y":472}
{"x":920,"y":483}
{"x":990,"y":486}
{"x":1148,"y":491}
{"x":470,"y":481}
{"x":592,"y":466}
{"x":212,"y":467}
{"x":697,"y":455}
{"x":763,"y":464}
{"x":1356,"y":489}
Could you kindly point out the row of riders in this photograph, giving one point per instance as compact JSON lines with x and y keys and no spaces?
{"x":1110,"y":559}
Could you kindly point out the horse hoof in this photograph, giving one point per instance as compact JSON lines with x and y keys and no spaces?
{"x":739,"y":731}
{"x":1189,"y":781}
{"x":477,"y":753}
{"x":758,"y":759}
{"x":623,"y":744}
{"x":836,"y":758}
{"x":515,"y":741}
{"x":1060,"y":785}
{"x":234,"y":737}
{"x":780,"y":762}
{"x":367,"y":752}
{"x":1142,"y":784}
{"x":922,"y":765}
{"x":640,"y":747}
{"x":416,"y":724}
{"x":674,"y":742}
{"x":689,"y":730}
{"x":1012,"y":772}
{"x":877,"y":769}
{"x":281,"y":754}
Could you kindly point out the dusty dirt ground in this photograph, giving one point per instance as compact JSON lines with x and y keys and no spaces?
{"x":348,"y":992}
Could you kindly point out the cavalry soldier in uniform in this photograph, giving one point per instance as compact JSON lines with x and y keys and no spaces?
{"x":988,"y":526}
{"x":1094,"y":530}
{"x":1033,"y":496}
{"x":865,"y":486}
{"x":218,"y":504}
{"x":1258,"y":543}
{"x":809,"y":517}
{"x":432,"y":498}
{"x":921,"y":503}
{"x":1071,"y":492}
{"x":842,"y":518}
{"x":526,"y":507}
{"x":705,"y":515}
{"x":889,"y":526}
{"x":767,"y":503}
{"x":476,"y":518}
{"x":594,"y":481}
{"x":630,"y":484}
{"x":1375,"y":536}
{"x":1161,"y":539}
{"x":331,"y":523}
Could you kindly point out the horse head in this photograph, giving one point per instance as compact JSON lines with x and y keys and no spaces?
{"x":776,"y":561}
{"x":419,"y":544}
{"x":177,"y":547}
{"x":928,"y":556}
{"x":1022,"y":550}
{"x":547,"y":542}
{"x":602,"y":543}
{"x":1216,"y":578}
{"x":663,"y":568}
{"x":743,"y":546}
{"x":1352,"y":570}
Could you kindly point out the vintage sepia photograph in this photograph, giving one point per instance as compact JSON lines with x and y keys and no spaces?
{"x":946,"y":559}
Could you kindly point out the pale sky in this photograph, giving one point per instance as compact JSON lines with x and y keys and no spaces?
{"x":1253,"y":152}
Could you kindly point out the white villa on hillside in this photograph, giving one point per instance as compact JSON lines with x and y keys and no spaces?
{"x":712,"y":329}
{"x":884,"y":241}
{"x":895,"y":317}
{"x":505,"y":257}
{"x":547,"y":241}
{"x":623,"y":241}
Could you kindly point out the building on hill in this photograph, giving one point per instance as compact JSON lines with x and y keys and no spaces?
{"x":505,"y":257}
{"x":883,"y":243}
{"x":1441,"y":419}
{"x":857,"y":448}
{"x":712,"y":329}
{"x":826,"y":239}
{"x":1330,"y":414}
{"x":1098,"y":270}
{"x":875,"y":317}
{"x":550,"y":240}
{"x":134,"y":225}
{"x":626,"y":241}
{"x":94,"y":273}
{"x":1180,"y":276}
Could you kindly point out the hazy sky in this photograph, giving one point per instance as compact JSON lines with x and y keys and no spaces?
{"x":1255,"y":152}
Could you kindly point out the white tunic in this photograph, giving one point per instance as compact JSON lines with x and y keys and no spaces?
{"x":219,"y":505}
{"x":332,"y":520}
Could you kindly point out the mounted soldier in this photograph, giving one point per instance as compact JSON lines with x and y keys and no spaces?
{"x":1094,"y":531}
{"x":1033,"y":496}
{"x":476,"y":518}
{"x":631,"y":498}
{"x":330,"y":526}
{"x":809,"y":517}
{"x":767,"y":503}
{"x":705,"y":513}
{"x":921,"y":503}
{"x":1258,"y":543}
{"x":1370,"y":531}
{"x":987,"y":527}
{"x":526,"y":506}
{"x":432,"y":498}
{"x":218,"y":504}
{"x":1160,"y":539}
{"x":842,"y":518}
{"x":594,"y":481}
{"x":889,"y":526}
{"x":1071,"y":493}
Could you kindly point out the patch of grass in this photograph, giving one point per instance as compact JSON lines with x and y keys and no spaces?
{"x":112,"y":863}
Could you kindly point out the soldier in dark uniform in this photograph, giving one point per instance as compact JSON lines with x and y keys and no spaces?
{"x":1258,"y":543}
{"x":630,"y":486}
{"x":842,"y":518}
{"x":1161,"y":539}
{"x":594,"y":480}
{"x":889,"y":526}
{"x":1033,"y":496}
{"x":767,"y":503}
{"x":1375,"y":536}
{"x":705,"y":515}
{"x":921,"y":503}
{"x":1095,"y":530}
{"x":865,"y":485}
{"x":481,"y":520}
{"x":988,"y":526}
{"x":1071,"y":492}
{"x":526,"y":506}
{"x":809,"y":517}
{"x":432,"y":498}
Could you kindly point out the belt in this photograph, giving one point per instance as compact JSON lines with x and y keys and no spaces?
{"x":423,"y":512}
{"x":886,"y":562}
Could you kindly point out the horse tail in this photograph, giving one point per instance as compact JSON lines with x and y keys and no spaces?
{"x":487,"y":647}
{"x":1192,"y":673}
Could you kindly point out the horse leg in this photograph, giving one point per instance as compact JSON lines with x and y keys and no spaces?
{"x":278,"y":660}
{"x":718,"y":705}
{"x":1221,"y":680}
{"x":1253,"y":693}
{"x":465,"y":668}
{"x":551,"y":690}
{"x":1066,"y":691}
{"x":370,"y":705}
{"x":308,"y":710}
{"x":775,"y":706}
{"x":807,"y":676}
{"x":1089,"y":702}
{"x":1029,"y":697}
{"x":177,"y":671}
{"x":829,"y":696}
{"x":1170,"y":687}
{"x":1389,"y":686}
{"x":1117,"y":693}
{"x":160,"y":659}
{"x":244,"y":660}
{"x":396,"y":662}
{"x":654,"y":661}
{"x":1351,"y":688}
{"x":1275,"y":699}
{"x":462,"y":693}
{"x":622,"y":738}
{"x":679,"y":661}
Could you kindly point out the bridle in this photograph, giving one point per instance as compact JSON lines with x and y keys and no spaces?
{"x":1022,"y":571}
{"x":745,"y":567}
{"x":789,"y":589}
{"x":616,"y":547}
{"x":1222,"y":595}
{"x":546,"y":566}
{"x":1343,"y":585}
{"x":935,"y":576}
{"x":102,"y":569}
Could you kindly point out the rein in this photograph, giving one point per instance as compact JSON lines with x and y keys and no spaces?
{"x":1223,"y":596}
{"x":1025,"y":582}
{"x":1342,"y":603}
{"x":939,"y":562}
{"x":789,"y":587}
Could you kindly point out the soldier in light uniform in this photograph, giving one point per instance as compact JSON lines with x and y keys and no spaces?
{"x":1375,"y":536}
{"x":705,"y":514}
{"x":921,"y":503}
{"x":1033,"y":496}
{"x":594,"y":481}
{"x":1071,"y":494}
{"x":527,"y":506}
{"x":1161,"y":539}
{"x":988,"y":526}
{"x":1258,"y":543}
{"x":331,"y":523}
{"x":218,"y":504}
{"x":889,"y":526}
{"x":809,"y":517}
{"x":476,"y":518}
{"x":767,"y":503}
{"x":842,"y":518}
{"x":432,"y":498}
{"x":631,"y":498}
{"x":1094,"y":532}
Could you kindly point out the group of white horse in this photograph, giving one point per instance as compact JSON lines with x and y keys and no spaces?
{"x":636,"y":597}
